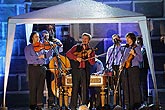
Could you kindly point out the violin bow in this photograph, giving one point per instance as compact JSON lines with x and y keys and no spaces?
{"x":95,"y":56}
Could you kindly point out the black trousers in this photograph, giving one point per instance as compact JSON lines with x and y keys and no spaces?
{"x":143,"y":83}
{"x":131,"y":87}
{"x":95,"y":97}
{"x":49,"y":79}
{"x":36,"y":75}
{"x":80,"y":79}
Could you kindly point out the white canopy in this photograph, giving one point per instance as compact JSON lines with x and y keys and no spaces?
{"x":78,"y":11}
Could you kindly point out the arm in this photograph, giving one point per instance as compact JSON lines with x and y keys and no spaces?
{"x":32,"y":57}
{"x":100,"y":67}
{"x":107,"y":57}
{"x":28,"y":55}
{"x":70,"y":52}
{"x":90,"y":59}
{"x":138,"y":54}
{"x":60,"y":45}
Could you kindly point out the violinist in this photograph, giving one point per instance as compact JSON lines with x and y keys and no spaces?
{"x":36,"y":71}
{"x":80,"y":69}
{"x":57,"y":48}
{"x":131,"y":82}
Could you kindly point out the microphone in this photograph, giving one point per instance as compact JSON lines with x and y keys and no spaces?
{"x":117,"y":40}
{"x":126,"y":45}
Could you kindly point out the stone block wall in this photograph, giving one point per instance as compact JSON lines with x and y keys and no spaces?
{"x":17,"y":89}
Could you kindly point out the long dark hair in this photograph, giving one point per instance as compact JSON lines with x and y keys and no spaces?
{"x":31,"y":36}
{"x":132,"y":37}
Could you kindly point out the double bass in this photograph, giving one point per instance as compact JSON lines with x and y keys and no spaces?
{"x":59,"y":65}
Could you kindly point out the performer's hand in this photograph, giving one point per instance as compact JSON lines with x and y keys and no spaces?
{"x":121,"y":67}
{"x":89,"y":53}
{"x":79,"y":59}
{"x":41,"y":56}
{"x":132,"y":52}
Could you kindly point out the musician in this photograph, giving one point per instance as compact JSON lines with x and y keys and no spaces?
{"x":144,"y":67}
{"x":96,"y":69}
{"x":80,"y":69}
{"x":113,"y":60}
{"x":50,"y":29}
{"x":45,"y":37}
{"x":57,"y":48}
{"x":36,"y":71}
{"x":131,"y":61}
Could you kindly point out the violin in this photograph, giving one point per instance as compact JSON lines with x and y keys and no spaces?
{"x":38,"y":46}
{"x":129,"y":59}
{"x":84,"y":53}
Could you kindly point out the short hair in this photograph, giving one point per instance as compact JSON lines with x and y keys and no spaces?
{"x":87,"y":34}
{"x":45,"y":31}
{"x":31,"y":36}
{"x":115,"y":35}
{"x":83,"y":107}
{"x":131,"y":36}
{"x":118,"y":39}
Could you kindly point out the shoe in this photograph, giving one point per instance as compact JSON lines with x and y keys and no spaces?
{"x":32,"y":107}
{"x":39,"y":108}
{"x":54,"y":106}
{"x":71,"y":108}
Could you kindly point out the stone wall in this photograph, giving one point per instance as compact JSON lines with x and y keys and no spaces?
{"x":17,"y":90}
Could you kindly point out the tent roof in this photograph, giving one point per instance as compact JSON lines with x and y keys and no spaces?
{"x":77,"y":9}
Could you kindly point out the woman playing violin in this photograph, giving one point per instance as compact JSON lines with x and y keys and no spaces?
{"x":80,"y":69}
{"x":131,"y":85}
{"x":36,"y":71}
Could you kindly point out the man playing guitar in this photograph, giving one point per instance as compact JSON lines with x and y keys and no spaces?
{"x":80,"y":69}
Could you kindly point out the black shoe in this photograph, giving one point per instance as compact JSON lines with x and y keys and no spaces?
{"x":32,"y":107}
{"x":38,"y":108}
{"x":71,"y":108}
{"x":54,"y":106}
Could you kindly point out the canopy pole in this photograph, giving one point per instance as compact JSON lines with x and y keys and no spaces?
{"x":9,"y":47}
{"x":147,"y":44}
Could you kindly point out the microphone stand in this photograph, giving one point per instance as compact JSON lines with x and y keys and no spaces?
{"x":116,"y":89}
{"x":59,"y":76}
{"x":56,"y":101}
{"x":107,"y":69}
